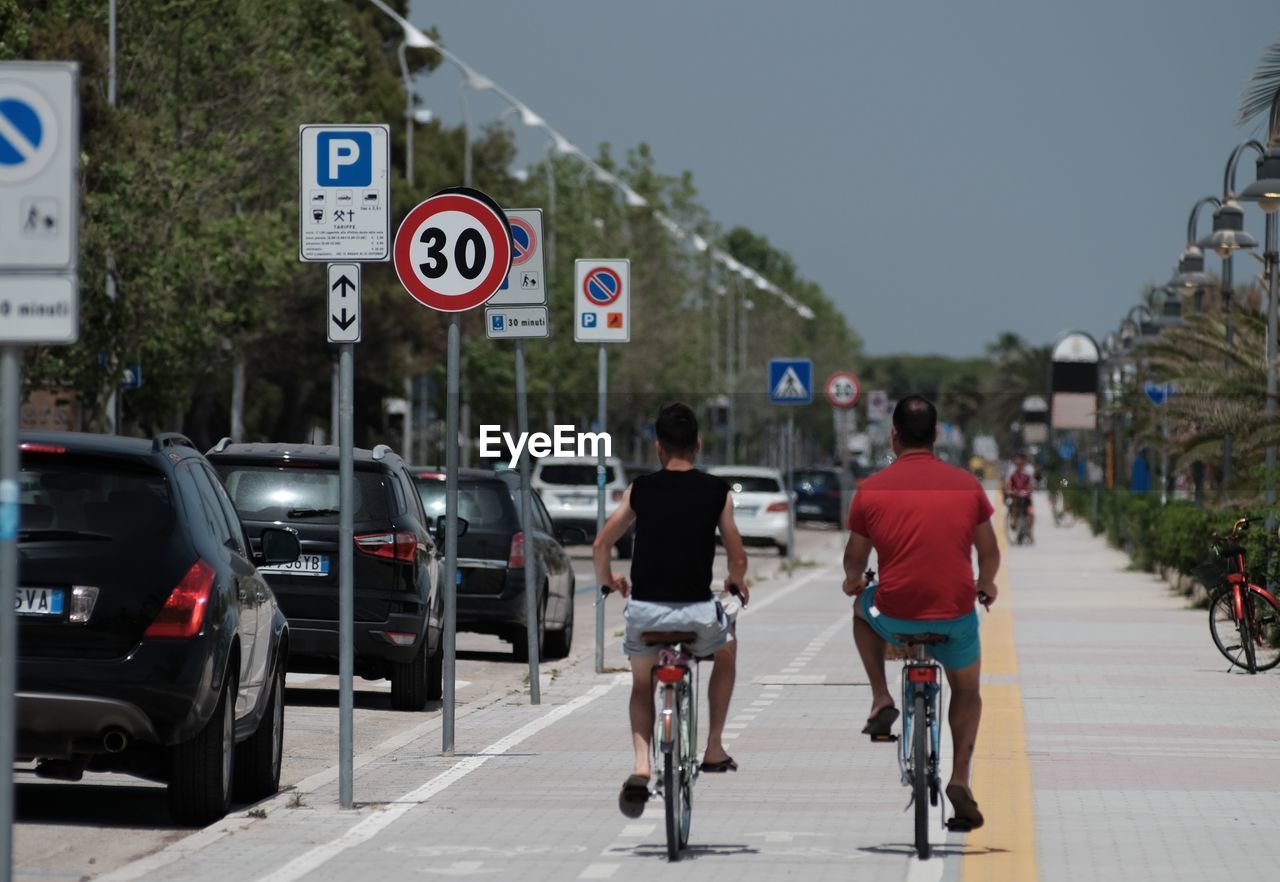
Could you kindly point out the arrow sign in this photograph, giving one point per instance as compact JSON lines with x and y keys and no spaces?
{"x":344,"y":285}
{"x":344,"y":310}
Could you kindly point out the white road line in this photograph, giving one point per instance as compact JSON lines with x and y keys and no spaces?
{"x":372,"y":825}
{"x":638,"y":830}
{"x":774,"y":597}
{"x":599,"y":871}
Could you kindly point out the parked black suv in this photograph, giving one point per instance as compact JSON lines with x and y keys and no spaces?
{"x":822,"y":494}
{"x":491,"y":598}
{"x":398,"y":605}
{"x":148,"y":642}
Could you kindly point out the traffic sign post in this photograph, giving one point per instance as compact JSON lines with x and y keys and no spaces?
{"x":452,"y":253}
{"x":843,"y":391}
{"x":601,"y":314}
{"x":790,"y":382}
{"x":1159,"y":394}
{"x":526,"y":284}
{"x":344,"y":303}
{"x":39,"y":217}
{"x":344,"y":189}
{"x":516,"y":322}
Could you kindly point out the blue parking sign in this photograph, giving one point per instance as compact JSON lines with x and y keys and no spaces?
{"x":345,"y":159}
{"x":588,"y":319}
{"x":499,"y":322}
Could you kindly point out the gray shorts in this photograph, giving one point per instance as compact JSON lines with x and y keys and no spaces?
{"x":707,"y":619}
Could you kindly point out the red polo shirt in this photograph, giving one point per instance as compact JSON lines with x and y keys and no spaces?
{"x":920,"y":514}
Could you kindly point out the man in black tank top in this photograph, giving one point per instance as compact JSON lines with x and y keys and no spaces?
{"x":676,"y":512}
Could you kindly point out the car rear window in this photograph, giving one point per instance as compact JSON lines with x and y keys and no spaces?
{"x":68,"y":494}
{"x":752,"y":484}
{"x":299,"y":493}
{"x":573,"y":475}
{"x":480,"y":503}
{"x":819,"y":481}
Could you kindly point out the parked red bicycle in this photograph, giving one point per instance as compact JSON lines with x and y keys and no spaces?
{"x":1244,"y":618}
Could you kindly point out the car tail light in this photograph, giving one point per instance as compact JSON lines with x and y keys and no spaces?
{"x":777,"y":506}
{"x":83,"y":599}
{"x":617,"y":495}
{"x":401,"y":638}
{"x":922,"y":674}
{"x":670,"y":673}
{"x":515,"y":559}
{"x":183,"y":613}
{"x":33,"y":447}
{"x":431,"y":476}
{"x":401,"y":545}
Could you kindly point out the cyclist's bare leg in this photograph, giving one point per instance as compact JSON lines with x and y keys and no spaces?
{"x":642,"y":711}
{"x":871,"y":647}
{"x":719,"y":693}
{"x":964,"y":715}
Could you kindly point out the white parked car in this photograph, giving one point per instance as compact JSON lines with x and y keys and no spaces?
{"x":568,"y":488}
{"x":761,"y":507}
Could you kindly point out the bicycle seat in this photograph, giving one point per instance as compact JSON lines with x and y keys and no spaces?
{"x":667,"y":638}
{"x":925,"y":639}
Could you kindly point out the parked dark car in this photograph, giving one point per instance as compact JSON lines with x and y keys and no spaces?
{"x":398,"y":605}
{"x":148,"y":642}
{"x":491,"y":596}
{"x":822,"y":494}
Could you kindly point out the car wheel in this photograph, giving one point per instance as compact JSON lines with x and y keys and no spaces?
{"x":409,"y":681}
{"x":435,"y":673}
{"x":257,"y":773}
{"x":559,"y":643}
{"x":782,"y":549}
{"x":200,"y":772}
{"x":520,"y":637}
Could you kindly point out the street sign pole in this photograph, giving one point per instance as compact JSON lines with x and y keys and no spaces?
{"x":11,"y":396}
{"x":531,"y":598}
{"x":787,"y":486}
{"x":451,"y":532}
{"x":346,"y":567}
{"x":602,"y":390}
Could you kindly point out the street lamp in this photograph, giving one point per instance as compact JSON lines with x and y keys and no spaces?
{"x":1266,"y":192}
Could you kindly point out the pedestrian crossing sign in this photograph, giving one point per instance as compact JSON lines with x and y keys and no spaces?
{"x":790,"y":381}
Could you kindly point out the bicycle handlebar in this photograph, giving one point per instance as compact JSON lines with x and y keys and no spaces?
{"x":605,"y":591}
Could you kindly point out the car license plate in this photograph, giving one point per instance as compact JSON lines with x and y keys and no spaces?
{"x":809,"y":509}
{"x":39,"y":602}
{"x":305,"y":565}
{"x":746,"y":510}
{"x":576,"y":499}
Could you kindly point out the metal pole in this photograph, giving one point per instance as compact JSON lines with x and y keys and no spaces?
{"x":11,"y":396}
{"x":731,"y":431}
{"x":113,"y":397}
{"x":466,"y":136}
{"x":551,"y":218}
{"x":237,"y":398}
{"x":451,"y":531}
{"x":408,"y":115}
{"x":334,"y":401}
{"x":1164,"y":463}
{"x":346,"y":568}
{"x":1271,"y":258}
{"x":1228,"y":272}
{"x":602,"y":389}
{"x":531,"y":593}
{"x":786,"y":487}
{"x":407,"y":435}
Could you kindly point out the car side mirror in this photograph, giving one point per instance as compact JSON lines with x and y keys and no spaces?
{"x":440,"y":527}
{"x":279,"y":546}
{"x":571,"y":536}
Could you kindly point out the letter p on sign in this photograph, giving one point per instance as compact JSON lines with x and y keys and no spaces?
{"x":346,"y":159}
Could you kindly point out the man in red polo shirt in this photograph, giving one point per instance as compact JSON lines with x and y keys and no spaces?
{"x":924,"y":518}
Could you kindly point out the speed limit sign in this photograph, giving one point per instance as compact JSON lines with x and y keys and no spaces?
{"x":843,"y":389}
{"x":453,"y":251}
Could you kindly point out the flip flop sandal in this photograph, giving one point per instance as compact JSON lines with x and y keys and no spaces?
{"x":880,"y":726}
{"x":967,"y":817}
{"x":725,"y":765}
{"x":635,"y":793}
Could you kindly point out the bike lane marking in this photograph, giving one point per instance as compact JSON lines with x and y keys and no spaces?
{"x":1005,"y":847}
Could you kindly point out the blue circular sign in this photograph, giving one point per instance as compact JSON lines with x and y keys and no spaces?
{"x":28,"y":132}
{"x":23,"y":134}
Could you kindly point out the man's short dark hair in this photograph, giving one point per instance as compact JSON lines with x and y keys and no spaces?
{"x":677,"y":429}
{"x":916,"y":420}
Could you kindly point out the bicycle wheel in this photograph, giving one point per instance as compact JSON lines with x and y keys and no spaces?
{"x":688,"y":759}
{"x":1265,"y":628}
{"x":1225,"y":630}
{"x":672,"y":785}
{"x":920,"y":771}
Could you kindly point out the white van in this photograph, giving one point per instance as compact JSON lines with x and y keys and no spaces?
{"x":568,"y":488}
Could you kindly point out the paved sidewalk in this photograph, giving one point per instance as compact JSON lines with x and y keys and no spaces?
{"x":1114,"y":746}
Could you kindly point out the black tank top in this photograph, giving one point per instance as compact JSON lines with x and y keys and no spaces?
{"x":676,"y":518}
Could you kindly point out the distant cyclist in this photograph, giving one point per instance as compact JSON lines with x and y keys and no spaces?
{"x":676,"y":512}
{"x":924,"y":518}
{"x":1018,"y":487}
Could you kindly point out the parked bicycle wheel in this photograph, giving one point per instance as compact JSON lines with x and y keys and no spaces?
{"x":920,"y":771}
{"x":1228,"y":634}
{"x":1264,"y":626}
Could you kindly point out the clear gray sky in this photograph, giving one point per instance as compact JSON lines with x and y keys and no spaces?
{"x":945,"y":169}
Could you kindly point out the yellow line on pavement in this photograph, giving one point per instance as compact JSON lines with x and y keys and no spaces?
{"x":1005,"y":847}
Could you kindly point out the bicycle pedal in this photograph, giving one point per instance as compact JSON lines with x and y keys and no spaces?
{"x":956,"y":825}
{"x":883,"y":739}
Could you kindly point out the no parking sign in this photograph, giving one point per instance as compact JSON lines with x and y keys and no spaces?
{"x":602,"y":301}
